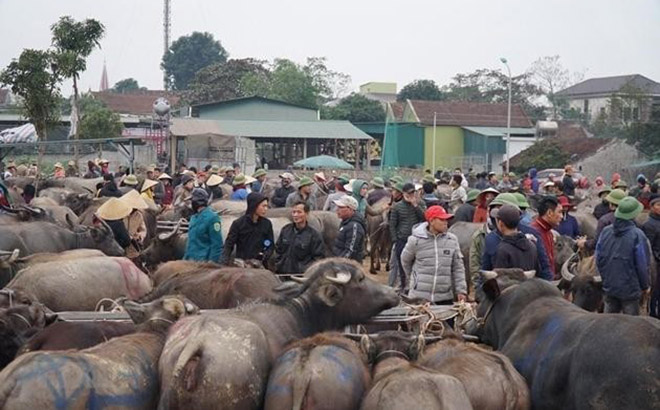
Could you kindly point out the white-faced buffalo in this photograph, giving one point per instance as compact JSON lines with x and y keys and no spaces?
{"x":79,"y":284}
{"x":323,"y":372}
{"x":220,"y":288}
{"x":571,"y":358}
{"x":399,"y":384}
{"x":75,"y":335}
{"x":17,"y":324}
{"x":36,"y":237}
{"x":490,"y":380}
{"x":225,"y":357}
{"x":120,"y":373}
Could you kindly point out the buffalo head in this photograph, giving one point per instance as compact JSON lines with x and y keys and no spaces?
{"x":586,"y":288}
{"x":97,"y":237}
{"x":78,"y":202}
{"x":405,"y":345}
{"x":336,"y":292}
{"x":160,"y":313}
{"x":167,"y":246}
{"x":565,"y":246}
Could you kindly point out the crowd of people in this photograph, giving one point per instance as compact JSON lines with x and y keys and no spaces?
{"x":426,"y":260}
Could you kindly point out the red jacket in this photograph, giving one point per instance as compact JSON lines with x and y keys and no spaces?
{"x":545,"y":231}
{"x":480,"y":214}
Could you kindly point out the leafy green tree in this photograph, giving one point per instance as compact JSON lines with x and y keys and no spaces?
{"x":329,"y":84}
{"x":224,"y":81}
{"x":35,"y":78}
{"x":126,"y":85}
{"x":355,"y":108}
{"x":189,"y":54}
{"x":98,"y":121}
{"x":421,"y":90}
{"x":543,"y":154}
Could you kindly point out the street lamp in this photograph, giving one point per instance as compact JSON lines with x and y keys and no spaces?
{"x":508,"y":117}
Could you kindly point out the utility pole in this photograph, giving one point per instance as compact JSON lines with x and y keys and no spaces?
{"x":508,"y":117}
{"x":166,"y":36}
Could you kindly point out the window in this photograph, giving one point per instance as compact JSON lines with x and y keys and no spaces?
{"x":627,"y":112}
{"x":602,"y":111}
{"x":635,"y":114}
{"x":586,"y":106}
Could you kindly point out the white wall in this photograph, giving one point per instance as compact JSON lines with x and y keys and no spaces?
{"x":595,"y":105}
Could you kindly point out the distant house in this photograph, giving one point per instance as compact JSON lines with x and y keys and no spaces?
{"x":463,"y":134}
{"x":622,"y":98}
{"x":137,"y":103}
{"x":383,"y":92}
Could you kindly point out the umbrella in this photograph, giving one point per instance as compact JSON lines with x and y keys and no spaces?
{"x":323,"y":161}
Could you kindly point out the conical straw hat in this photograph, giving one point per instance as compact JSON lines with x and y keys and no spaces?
{"x":113,"y":210}
{"x":148,"y":183}
{"x":133,"y":199}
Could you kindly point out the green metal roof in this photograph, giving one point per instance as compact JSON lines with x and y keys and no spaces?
{"x":292,"y":129}
{"x":500,"y":131}
{"x":651,"y":163}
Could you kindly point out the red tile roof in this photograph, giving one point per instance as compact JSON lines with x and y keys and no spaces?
{"x":137,"y":103}
{"x":397,"y":109}
{"x":470,"y":113}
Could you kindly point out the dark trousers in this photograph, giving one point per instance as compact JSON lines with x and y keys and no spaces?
{"x":616,"y":305}
{"x":398,"y":248}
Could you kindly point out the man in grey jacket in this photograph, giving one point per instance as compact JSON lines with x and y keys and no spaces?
{"x":432,"y":258}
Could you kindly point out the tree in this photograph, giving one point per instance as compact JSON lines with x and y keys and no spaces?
{"x":126,"y":85}
{"x":189,"y":54}
{"x":224,"y":81}
{"x":550,"y":76}
{"x":355,"y":108}
{"x":98,"y":121}
{"x":421,"y":90}
{"x":330,"y":84}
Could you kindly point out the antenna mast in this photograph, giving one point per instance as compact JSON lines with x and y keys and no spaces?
{"x":166,"y":36}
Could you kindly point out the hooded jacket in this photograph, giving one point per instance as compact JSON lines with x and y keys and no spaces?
{"x":434,"y":264}
{"x":362,"y":203}
{"x":204,"y":237}
{"x":535,"y":181}
{"x":253,"y":240}
{"x":622,"y":259}
{"x":516,"y":251}
{"x":350,"y":240}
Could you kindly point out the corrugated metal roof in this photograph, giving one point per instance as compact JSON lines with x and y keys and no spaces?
{"x":268,"y":129}
{"x":500,"y":131}
{"x":609,"y":85}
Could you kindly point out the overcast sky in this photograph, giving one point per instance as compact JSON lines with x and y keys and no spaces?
{"x":370,"y":40}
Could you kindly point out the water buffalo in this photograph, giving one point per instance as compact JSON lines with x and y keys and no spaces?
{"x":490,"y":380}
{"x":17,"y":323}
{"x":464,"y":232}
{"x":564,"y":246}
{"x":181,"y":268}
{"x":225,"y":358}
{"x":571,"y":358}
{"x":581,"y":279}
{"x":54,"y":212}
{"x":380,"y":242}
{"x":75,"y":335}
{"x":10,"y":298}
{"x":222,"y":288}
{"x":326,"y":371}
{"x":35,"y":237}
{"x":11,"y":264}
{"x":76,"y":201}
{"x":79,"y":284}
{"x":401,"y":385}
{"x":120,"y":373}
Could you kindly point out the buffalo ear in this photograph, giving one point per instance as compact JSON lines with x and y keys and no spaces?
{"x":69,"y":222}
{"x":368,"y":347}
{"x":330,"y":294}
{"x":563,"y":284}
{"x":491,"y":289}
{"x":51,"y":318}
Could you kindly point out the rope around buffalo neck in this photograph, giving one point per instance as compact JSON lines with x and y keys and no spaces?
{"x":392,"y":353}
{"x":161,"y":319}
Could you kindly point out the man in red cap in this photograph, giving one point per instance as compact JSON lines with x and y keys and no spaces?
{"x":432,"y":258}
{"x":568,"y":225}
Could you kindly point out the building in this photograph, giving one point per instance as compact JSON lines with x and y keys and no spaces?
{"x":620,"y":99}
{"x":383,"y":92}
{"x":284,"y":132}
{"x":462,"y":134}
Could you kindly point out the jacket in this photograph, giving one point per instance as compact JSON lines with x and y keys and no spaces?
{"x":464,"y":213}
{"x":651,"y":229}
{"x":491,"y":242}
{"x":350,"y":240}
{"x":297,"y":249}
{"x":622,"y":260}
{"x":545,"y":233}
{"x":516,"y":251}
{"x":204,"y":237}
{"x":568,"y":185}
{"x":569,"y":226}
{"x":168,"y":195}
{"x":543,"y":271}
{"x":239,"y":195}
{"x":120,"y":233}
{"x":329,"y":202}
{"x":434,"y":264}
{"x":110,"y":190}
{"x":376,"y":195}
{"x":604,"y":221}
{"x":280,"y":195}
{"x":403,"y":217}
{"x":601,"y":209}
{"x":477,"y":251}
{"x":253,"y":240}
{"x":535,"y":181}
{"x":480,"y":214}
{"x":295,"y":197}
{"x":355,"y":193}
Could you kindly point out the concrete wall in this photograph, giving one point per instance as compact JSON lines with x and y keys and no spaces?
{"x":595,"y":105}
{"x":448,"y":146}
{"x":256,"y":110}
{"x":611,"y":158}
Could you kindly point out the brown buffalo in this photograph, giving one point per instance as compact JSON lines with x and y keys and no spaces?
{"x":10,"y":298}
{"x":489,"y":378}
{"x":401,"y":385}
{"x":120,"y":373}
{"x":380,"y":242}
{"x":222,"y":288}
{"x":181,"y":268}
{"x":79,"y":284}
{"x":225,"y":357}
{"x":326,"y":371}
{"x":75,"y":335}
{"x":17,"y":324}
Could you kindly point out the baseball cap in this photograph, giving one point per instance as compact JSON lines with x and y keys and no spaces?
{"x":437,"y":211}
{"x":347,"y":201}
{"x":509,"y":215}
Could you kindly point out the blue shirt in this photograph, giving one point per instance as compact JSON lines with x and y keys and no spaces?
{"x":239,"y":195}
{"x":569,"y":226}
{"x":204,"y":237}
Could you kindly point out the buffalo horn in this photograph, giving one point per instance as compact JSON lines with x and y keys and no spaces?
{"x":11,"y":256}
{"x":342,"y":278}
{"x":167,"y":236}
{"x":565,"y":272}
{"x":299,"y":279}
{"x":488,"y":274}
{"x":529,"y":274}
{"x":598,"y":279}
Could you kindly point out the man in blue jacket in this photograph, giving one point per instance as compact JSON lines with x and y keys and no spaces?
{"x":204,"y":231}
{"x":622,"y":259}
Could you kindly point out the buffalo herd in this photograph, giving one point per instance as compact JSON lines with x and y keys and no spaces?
{"x":206,"y":336}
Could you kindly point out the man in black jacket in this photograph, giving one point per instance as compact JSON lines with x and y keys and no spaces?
{"x":252,"y":233}
{"x":652,"y":231}
{"x":567,"y":182}
{"x":514,"y":250}
{"x":299,"y":245}
{"x":350,"y":240}
{"x":281,"y":193}
{"x":109,"y":187}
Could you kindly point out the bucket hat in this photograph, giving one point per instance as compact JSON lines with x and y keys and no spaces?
{"x":628,"y":209}
{"x":615,"y":196}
